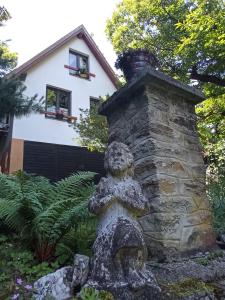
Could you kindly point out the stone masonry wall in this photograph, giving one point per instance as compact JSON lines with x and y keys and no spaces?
{"x":159,"y":126}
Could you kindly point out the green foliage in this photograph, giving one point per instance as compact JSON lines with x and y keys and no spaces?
{"x":19,"y":269}
{"x":210,"y":257}
{"x":78,"y":240}
{"x":7,"y":59}
{"x":41,"y":212}
{"x":211,"y":126}
{"x":188,"y":38}
{"x":92,"y":294}
{"x":183,"y":34}
{"x":50,"y":220}
{"x":216,"y":193}
{"x":92,"y":129}
{"x":203,"y":261}
{"x":12,"y":98}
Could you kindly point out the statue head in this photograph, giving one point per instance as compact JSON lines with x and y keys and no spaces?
{"x":119,"y":160}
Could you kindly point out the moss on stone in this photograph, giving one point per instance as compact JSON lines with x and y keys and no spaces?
{"x":88,"y":293}
{"x":187,"y":287}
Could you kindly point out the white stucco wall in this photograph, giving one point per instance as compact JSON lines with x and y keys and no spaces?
{"x":51,"y":71}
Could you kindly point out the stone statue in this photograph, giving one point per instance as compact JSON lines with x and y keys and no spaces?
{"x":119,"y":252}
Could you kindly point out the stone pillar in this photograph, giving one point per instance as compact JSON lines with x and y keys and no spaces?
{"x":154,"y":115}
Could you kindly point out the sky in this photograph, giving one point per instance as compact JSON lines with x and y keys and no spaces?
{"x":36,"y":24}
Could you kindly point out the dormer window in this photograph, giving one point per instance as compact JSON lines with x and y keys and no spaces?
{"x":78,"y":64}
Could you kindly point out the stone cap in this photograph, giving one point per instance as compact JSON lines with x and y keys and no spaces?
{"x":151,"y":77}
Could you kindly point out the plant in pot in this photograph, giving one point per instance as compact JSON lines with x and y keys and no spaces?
{"x":133,"y":61}
{"x":83,"y":73}
{"x":59,"y":114}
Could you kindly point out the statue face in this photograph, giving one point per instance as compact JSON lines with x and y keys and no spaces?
{"x":118,"y":158}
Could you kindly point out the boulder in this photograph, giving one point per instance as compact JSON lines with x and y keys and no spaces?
{"x":61,"y":284}
{"x":57,"y":285}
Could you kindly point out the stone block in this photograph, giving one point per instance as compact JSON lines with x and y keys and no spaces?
{"x":145,"y":168}
{"x":161,"y":130}
{"x":142,"y":149}
{"x":184,"y":124}
{"x":200,"y":202}
{"x":167,"y":186}
{"x":198,"y":218}
{"x":197,"y":237}
{"x":166,"y":204}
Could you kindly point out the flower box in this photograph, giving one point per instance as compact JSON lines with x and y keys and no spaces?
{"x":60,"y":116}
{"x":80,"y":72}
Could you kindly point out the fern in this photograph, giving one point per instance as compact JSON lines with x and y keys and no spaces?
{"x":43,"y":212}
{"x":78,"y":239}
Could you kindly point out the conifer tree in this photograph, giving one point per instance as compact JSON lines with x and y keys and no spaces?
{"x":13,"y":102}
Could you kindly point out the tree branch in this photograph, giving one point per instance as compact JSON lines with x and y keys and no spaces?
{"x":206,"y":77}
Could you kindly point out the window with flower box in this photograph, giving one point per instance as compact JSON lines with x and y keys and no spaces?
{"x":78,"y":64}
{"x":58,"y":103}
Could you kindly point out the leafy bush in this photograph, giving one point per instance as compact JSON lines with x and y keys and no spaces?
{"x":216,"y":192}
{"x":44,"y":213}
{"x":92,"y":128}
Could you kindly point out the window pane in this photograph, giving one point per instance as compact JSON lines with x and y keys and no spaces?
{"x":73,"y":62}
{"x":79,"y":62}
{"x":64,"y":102}
{"x":51,"y":100}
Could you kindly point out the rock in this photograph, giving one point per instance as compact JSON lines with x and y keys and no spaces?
{"x":201,"y":277}
{"x":61,"y":284}
{"x":57,"y":285}
{"x":81,"y":269}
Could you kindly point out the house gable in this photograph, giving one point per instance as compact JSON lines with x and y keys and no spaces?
{"x":81,"y":33}
{"x":50,"y":72}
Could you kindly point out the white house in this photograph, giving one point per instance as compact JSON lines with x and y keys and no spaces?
{"x":70,"y":74}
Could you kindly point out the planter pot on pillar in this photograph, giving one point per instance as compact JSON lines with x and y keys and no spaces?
{"x":132,"y":62}
{"x":59,"y":116}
